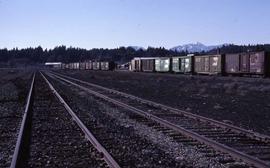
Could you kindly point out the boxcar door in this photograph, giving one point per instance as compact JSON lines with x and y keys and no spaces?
{"x":257,"y":62}
{"x":198,"y":64}
{"x":244,"y":62}
{"x":187,"y":64}
{"x":206,"y":64}
{"x":214,"y":64}
{"x":176,"y":64}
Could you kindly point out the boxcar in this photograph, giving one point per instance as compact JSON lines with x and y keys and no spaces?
{"x":259,"y":63}
{"x":63,"y":66}
{"x":107,"y":65}
{"x":183,"y":64}
{"x":136,"y":64}
{"x":88,"y":65}
{"x":66,"y":66}
{"x":82,"y":65}
{"x":232,"y":63}
{"x":96,"y":65}
{"x":176,"y":64}
{"x":148,"y":64}
{"x":71,"y":66}
{"x":253,"y":63}
{"x":244,"y":63}
{"x":125,"y":66}
{"x":163,"y":64}
{"x":208,"y":64}
{"x":237,"y":64}
{"x":76,"y":65}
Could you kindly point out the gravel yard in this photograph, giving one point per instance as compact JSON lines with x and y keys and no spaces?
{"x":241,"y":101}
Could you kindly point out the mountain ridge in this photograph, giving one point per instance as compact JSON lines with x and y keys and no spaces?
{"x":195,"y":47}
{"x":190,"y":47}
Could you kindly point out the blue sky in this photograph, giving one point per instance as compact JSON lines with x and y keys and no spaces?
{"x":113,"y":23}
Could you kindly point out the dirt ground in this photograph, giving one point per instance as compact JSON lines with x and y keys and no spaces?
{"x":244,"y":102}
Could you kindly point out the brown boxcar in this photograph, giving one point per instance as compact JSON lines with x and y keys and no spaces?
{"x":244,"y":63}
{"x":237,"y":63}
{"x":208,"y":64}
{"x":201,"y":64}
{"x":215,"y":64}
{"x":232,"y":63}
{"x":147,"y":64}
{"x":253,"y":63}
{"x":259,"y":63}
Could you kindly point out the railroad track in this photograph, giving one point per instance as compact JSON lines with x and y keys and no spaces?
{"x":250,"y":147}
{"x":11,"y":107}
{"x":9,"y":120}
{"x":51,"y":134}
{"x":124,"y":142}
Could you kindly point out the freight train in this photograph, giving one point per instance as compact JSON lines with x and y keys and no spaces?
{"x":90,"y":65}
{"x":240,"y":64}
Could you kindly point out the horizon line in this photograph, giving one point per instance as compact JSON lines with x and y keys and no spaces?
{"x":70,"y":46}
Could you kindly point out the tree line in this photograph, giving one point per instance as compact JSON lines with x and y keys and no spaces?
{"x":38,"y":55}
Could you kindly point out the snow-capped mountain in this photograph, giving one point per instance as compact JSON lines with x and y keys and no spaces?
{"x":197,"y":47}
{"x":136,"y":47}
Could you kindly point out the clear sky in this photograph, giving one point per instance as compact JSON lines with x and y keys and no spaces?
{"x":113,"y":23}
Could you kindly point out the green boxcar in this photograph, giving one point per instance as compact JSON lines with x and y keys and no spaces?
{"x":182,"y":64}
{"x":163,"y":64}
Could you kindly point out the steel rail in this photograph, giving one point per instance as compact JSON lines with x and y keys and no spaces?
{"x":249,"y":133}
{"x":107,"y":157}
{"x":18,"y":147}
{"x":216,"y":145}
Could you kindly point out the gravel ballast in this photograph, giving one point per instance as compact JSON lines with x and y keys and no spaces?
{"x":243,"y":102}
{"x":14,"y":85}
{"x":56,"y":140}
{"x":106,"y":115}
